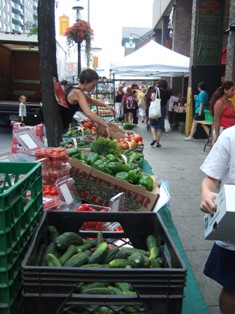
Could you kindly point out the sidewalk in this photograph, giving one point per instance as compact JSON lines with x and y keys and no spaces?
{"x":177,"y":162}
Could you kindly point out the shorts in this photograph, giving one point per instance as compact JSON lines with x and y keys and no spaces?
{"x":129,"y":110}
{"x":157,"y":124}
{"x":220,"y":267}
{"x":199,"y":118}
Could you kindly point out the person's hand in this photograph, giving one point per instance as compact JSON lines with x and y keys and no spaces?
{"x":207,"y":204}
{"x":107,"y":131}
{"x":199,"y":113}
{"x":112,"y":110}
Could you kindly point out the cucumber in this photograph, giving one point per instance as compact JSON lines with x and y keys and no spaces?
{"x":123,"y":286}
{"x":119,"y":263}
{"x":153,"y":251}
{"x":100,"y":238}
{"x":52,"y":261}
{"x":86,"y":246}
{"x":138,"y":260}
{"x":121,"y":254}
{"x":71,"y":250}
{"x":115,"y":290}
{"x":63,"y":241}
{"x":101,"y":291}
{"x":76,"y":260}
{"x":93,"y":285}
{"x":50,"y":249}
{"x":95,"y":266}
{"x":131,"y":250}
{"x":104,"y":310}
{"x":99,"y":254}
{"x":111,"y":254}
{"x":53,"y":233}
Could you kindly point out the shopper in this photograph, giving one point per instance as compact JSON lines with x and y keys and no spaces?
{"x":222,"y":108}
{"x":117,"y":103}
{"x":157,"y":125}
{"x":22,"y":109}
{"x":201,"y":104}
{"x":78,"y":100}
{"x":219,"y":166}
{"x":147,"y":100}
{"x":129,"y":103}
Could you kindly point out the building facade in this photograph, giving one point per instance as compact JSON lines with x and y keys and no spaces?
{"x":15,"y":13}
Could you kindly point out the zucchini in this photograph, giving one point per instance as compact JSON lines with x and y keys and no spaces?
{"x":63,"y":241}
{"x":71,"y":250}
{"x":99,"y":254}
{"x":153,"y":251}
{"x":119,"y":263}
{"x":52,"y":261}
{"x":76,"y":260}
{"x":50,"y":249}
{"x":53,"y":233}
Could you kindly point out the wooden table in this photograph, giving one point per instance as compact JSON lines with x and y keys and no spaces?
{"x":210,"y":136}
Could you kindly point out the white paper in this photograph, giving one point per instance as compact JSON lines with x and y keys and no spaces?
{"x":163,"y":199}
{"x":66,"y":194}
{"x":28,"y":141}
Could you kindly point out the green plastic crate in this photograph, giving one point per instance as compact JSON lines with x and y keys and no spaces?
{"x":20,"y":211}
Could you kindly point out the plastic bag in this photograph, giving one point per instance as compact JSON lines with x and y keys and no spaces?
{"x":167,"y":126}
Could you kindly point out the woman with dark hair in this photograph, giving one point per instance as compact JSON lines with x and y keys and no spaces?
{"x":222,"y":108}
{"x":78,"y":100}
{"x":201,"y":103}
{"x":147,"y":100}
{"x":157,"y":125}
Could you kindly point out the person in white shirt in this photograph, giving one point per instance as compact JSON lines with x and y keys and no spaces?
{"x":219,"y":167}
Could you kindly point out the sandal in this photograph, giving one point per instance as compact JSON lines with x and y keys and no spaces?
{"x":153,"y":142}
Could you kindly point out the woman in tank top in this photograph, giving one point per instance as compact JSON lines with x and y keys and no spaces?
{"x":117,"y":101}
{"x":79,"y":98}
{"x":222,"y":108}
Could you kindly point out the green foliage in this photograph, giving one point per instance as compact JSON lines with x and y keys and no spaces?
{"x":32,"y":27}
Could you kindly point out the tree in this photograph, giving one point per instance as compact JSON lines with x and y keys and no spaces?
{"x":48,"y":69}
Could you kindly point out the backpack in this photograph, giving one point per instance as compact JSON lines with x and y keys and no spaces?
{"x":130,"y":102}
{"x":59,"y":93}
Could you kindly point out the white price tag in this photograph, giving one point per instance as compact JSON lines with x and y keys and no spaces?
{"x":66,"y":194}
{"x":28,"y":141}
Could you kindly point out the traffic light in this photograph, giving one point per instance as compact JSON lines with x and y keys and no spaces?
{"x":95,"y":62}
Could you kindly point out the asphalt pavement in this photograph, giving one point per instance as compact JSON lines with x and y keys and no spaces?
{"x":176,"y":161}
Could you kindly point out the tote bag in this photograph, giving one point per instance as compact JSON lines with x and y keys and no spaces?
{"x":155,"y":106}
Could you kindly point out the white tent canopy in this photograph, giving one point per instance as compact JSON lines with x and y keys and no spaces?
{"x":152,"y":60}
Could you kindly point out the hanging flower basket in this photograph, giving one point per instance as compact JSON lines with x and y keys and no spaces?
{"x":79,"y":32}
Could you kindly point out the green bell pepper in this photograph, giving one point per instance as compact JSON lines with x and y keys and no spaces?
{"x":134,"y":176}
{"x":91,"y":158}
{"x":111,"y":157}
{"x":147,"y":182}
{"x":122,"y":175}
{"x":116,"y":167}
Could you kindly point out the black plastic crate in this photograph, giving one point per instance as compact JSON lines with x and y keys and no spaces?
{"x":161,"y":287}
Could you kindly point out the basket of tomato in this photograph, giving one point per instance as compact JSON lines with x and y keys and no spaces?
{"x":51,"y":157}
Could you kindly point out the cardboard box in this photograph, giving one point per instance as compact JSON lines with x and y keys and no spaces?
{"x":115,"y":131}
{"x":220,"y":226}
{"x":98,"y":187}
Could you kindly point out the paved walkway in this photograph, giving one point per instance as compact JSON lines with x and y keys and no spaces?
{"x":178,"y":162}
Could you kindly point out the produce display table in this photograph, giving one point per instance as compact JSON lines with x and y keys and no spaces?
{"x":193,"y":302}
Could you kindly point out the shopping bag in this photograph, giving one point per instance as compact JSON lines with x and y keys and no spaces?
{"x":167,"y":126}
{"x":155,"y":107}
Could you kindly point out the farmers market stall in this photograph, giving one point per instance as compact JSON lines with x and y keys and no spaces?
{"x":157,"y":285}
